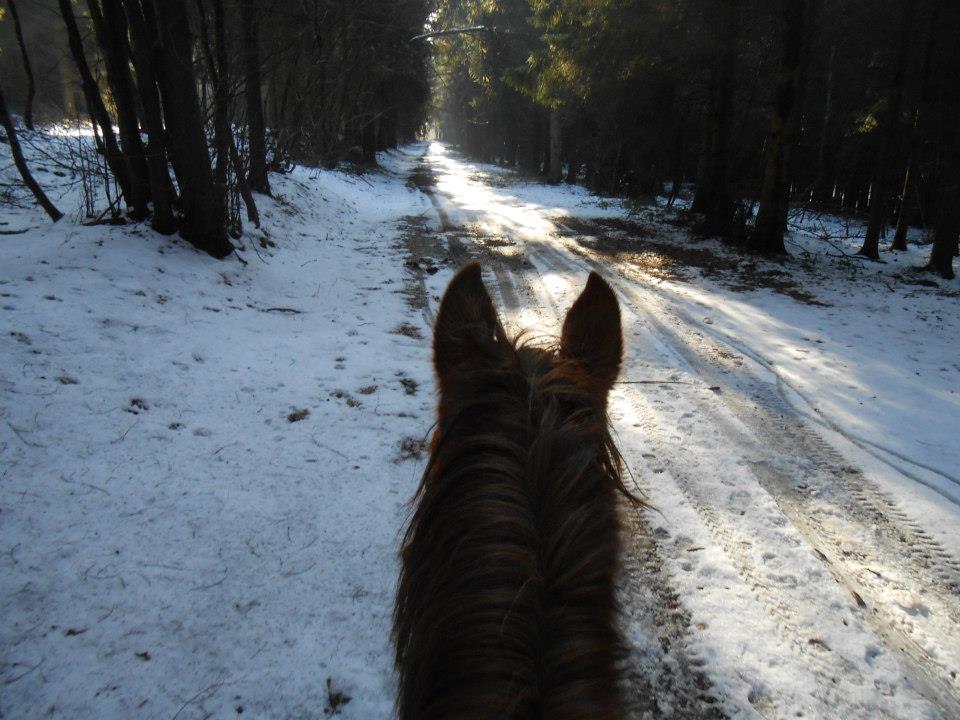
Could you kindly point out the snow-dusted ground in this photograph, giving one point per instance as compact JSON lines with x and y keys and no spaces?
{"x":175,"y":542}
{"x":171,"y":544}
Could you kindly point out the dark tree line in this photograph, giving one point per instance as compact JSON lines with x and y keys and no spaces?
{"x":848,"y":106}
{"x":194,"y":101}
{"x":342,"y":78}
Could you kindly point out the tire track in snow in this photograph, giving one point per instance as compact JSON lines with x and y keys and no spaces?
{"x":798,"y":628}
{"x":795,"y":632}
{"x":786,"y":430}
{"x":813,"y":457}
{"x":790,"y":431}
{"x":782,"y":434}
{"x":665,"y":678}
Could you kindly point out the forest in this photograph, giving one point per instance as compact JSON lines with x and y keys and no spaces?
{"x":487,"y":359}
{"x":847,"y":107}
{"x":165,"y":84}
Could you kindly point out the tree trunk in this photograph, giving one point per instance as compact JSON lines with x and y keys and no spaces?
{"x":900,"y":236}
{"x":822,"y":185}
{"x":676,"y":182}
{"x":555,"y":170}
{"x":543,"y":151}
{"x":110,"y":27}
{"x":387,"y":131}
{"x":256,"y":133}
{"x":947,"y":230}
{"x":573,"y":160}
{"x":767,"y":237}
{"x":713,"y":197}
{"x":144,"y":59}
{"x":529,"y":143}
{"x":27,"y":68}
{"x":217,"y":71}
{"x":916,"y":135}
{"x":221,"y":103}
{"x":95,"y":106}
{"x":253,"y":215}
{"x":21,"y":163}
{"x":368,"y":142}
{"x":675,"y":149}
{"x":204,"y":214}
{"x":880,"y":199}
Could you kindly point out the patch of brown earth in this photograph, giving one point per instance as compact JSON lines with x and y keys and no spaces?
{"x":636,"y":244}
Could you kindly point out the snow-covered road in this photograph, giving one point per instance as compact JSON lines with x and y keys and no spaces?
{"x":204,"y":465}
{"x":786,"y":568}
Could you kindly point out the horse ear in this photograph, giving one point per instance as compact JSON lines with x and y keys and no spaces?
{"x":592,"y":334}
{"x":467,"y":325}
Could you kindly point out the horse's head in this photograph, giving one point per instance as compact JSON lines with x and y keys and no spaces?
{"x":472,"y":353}
{"x":505,"y":605}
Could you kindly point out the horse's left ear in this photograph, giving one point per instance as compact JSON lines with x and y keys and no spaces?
{"x":592,"y":334}
{"x":467,"y":327}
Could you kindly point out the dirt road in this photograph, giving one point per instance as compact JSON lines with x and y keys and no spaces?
{"x":772,"y":577}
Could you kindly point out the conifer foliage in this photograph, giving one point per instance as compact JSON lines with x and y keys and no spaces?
{"x":753,"y":108}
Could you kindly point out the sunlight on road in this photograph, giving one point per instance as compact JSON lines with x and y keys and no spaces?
{"x":468,"y":198}
{"x":832,"y":373}
{"x":857,"y":390}
{"x":554,"y":283}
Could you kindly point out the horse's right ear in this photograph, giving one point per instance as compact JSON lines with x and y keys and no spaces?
{"x":467,"y":326}
{"x":592,"y":334}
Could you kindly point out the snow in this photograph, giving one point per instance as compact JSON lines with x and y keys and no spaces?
{"x":157,"y":502}
{"x":876,"y":363}
{"x":179,"y":539}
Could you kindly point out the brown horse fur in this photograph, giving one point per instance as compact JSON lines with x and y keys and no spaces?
{"x":505,"y":607}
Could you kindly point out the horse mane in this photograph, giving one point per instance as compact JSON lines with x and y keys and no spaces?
{"x":505,"y":604}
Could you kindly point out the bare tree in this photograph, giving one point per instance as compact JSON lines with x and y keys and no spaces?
{"x":921,"y":104}
{"x":554,"y":169}
{"x":143,"y":53}
{"x":95,"y":104}
{"x":202,"y":203}
{"x":256,"y":134}
{"x":27,"y":68}
{"x":110,"y":26}
{"x":21,"y":163}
